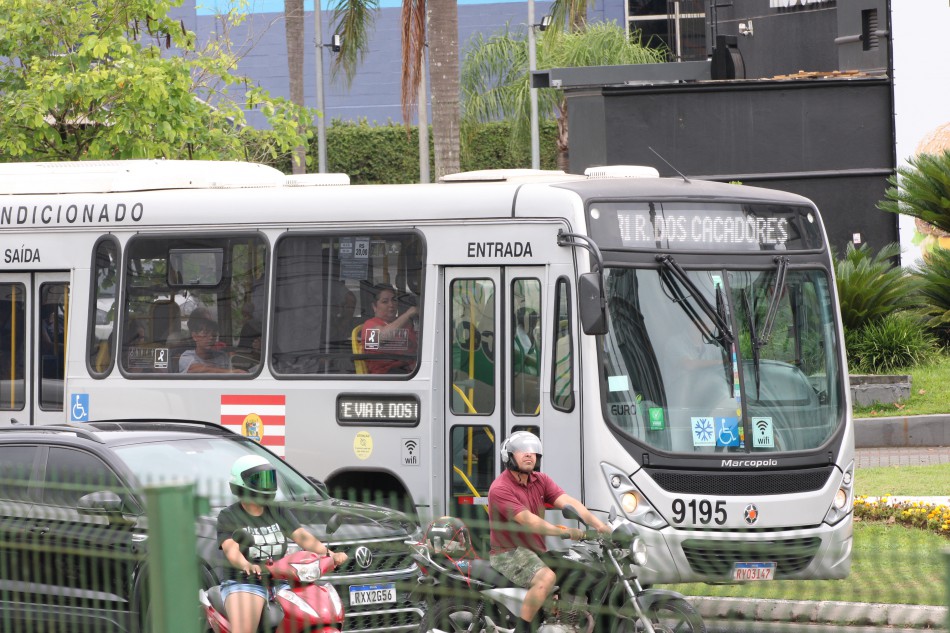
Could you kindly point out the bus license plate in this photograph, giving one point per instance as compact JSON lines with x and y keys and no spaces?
{"x":372,"y":594}
{"x":753,"y":571}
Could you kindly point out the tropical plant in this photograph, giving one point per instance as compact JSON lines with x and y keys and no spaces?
{"x":496,"y":81}
{"x":934,"y":274}
{"x":87,"y":79}
{"x":871,"y":286}
{"x":922,"y":190}
{"x":896,"y":341}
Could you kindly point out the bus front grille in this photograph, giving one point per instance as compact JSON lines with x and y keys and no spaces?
{"x":750,"y":483}
{"x":716,"y":558}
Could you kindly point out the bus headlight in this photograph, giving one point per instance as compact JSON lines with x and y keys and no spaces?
{"x":843,"y":502}
{"x":634,"y":505}
{"x":629,"y":502}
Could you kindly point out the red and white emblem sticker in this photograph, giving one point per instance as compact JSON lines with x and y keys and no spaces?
{"x":259,"y":417}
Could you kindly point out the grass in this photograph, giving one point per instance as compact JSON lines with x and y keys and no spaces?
{"x":891,"y":563}
{"x":929,"y":393}
{"x":904,"y":481}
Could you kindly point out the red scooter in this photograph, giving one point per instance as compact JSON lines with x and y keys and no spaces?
{"x":307,"y":606}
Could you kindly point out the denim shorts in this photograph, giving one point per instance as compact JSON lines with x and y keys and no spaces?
{"x":231,"y":586}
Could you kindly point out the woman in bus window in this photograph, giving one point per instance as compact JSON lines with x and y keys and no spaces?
{"x":390,"y":334}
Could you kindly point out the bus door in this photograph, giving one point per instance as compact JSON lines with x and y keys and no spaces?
{"x":493,"y":363}
{"x":33,"y":319}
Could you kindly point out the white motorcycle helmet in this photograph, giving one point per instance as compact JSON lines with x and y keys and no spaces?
{"x":253,"y":478}
{"x":523,"y":442}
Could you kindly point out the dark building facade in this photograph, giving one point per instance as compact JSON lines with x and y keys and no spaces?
{"x":826,"y":133}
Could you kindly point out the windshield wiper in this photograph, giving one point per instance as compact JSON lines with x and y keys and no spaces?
{"x":714,"y":314}
{"x":761,"y":339}
{"x":782,"y":263}
{"x":750,"y":317}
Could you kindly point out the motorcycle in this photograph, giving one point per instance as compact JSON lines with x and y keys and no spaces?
{"x":307,"y":605}
{"x":597,"y":581}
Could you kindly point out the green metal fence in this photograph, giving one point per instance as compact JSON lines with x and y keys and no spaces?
{"x":79,"y":557}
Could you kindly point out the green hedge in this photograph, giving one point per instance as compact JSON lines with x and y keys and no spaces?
{"x":373,"y":154}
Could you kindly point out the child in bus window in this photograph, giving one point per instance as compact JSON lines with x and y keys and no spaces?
{"x":206,"y":358}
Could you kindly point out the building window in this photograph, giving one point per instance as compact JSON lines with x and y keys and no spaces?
{"x":679,"y":25}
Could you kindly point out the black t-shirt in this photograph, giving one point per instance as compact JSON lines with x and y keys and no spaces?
{"x":271,"y":533}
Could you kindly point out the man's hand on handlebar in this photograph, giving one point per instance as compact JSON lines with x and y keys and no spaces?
{"x":251,"y":569}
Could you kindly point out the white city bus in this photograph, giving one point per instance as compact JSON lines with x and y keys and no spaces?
{"x":675,"y":343}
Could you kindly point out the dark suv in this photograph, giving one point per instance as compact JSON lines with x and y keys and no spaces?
{"x":73,"y":531}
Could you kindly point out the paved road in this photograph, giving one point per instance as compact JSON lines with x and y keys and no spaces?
{"x":902,"y":456}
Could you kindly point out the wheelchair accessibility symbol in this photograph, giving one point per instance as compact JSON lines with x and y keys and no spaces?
{"x":79,"y":411}
{"x":727,"y":431}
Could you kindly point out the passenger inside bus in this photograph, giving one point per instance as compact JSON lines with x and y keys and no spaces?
{"x":247,"y":354}
{"x":206,"y":358}
{"x":390,"y":335}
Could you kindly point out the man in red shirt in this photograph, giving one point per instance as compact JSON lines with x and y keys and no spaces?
{"x":516,"y":502}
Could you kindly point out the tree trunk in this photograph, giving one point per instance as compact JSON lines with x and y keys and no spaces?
{"x":563,"y":149}
{"x":293,"y":27}
{"x":444,"y":77}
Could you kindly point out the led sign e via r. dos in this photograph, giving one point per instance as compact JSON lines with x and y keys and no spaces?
{"x":383,"y":409}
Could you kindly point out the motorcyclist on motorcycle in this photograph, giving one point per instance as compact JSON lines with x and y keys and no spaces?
{"x":265,"y":529}
{"x":516,"y":503}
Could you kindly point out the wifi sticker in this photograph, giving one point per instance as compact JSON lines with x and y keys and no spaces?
{"x":762,"y":434}
{"x":410,"y":452}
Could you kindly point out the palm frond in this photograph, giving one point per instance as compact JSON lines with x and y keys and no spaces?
{"x":921,"y":190}
{"x":351,"y":20}
{"x":413,"y":50}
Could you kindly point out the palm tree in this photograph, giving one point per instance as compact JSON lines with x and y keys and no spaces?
{"x":293,"y":27}
{"x":352,"y":19}
{"x":922,"y":190}
{"x":496,"y":84}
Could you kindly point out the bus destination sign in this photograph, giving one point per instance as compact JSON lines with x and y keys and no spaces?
{"x":684,"y":226}
{"x":378,"y":409}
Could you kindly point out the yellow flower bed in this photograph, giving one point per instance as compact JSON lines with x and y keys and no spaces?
{"x":915,"y":514}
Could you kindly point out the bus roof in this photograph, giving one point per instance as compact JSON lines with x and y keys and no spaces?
{"x":147,"y":175}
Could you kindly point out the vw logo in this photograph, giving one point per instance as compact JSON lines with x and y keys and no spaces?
{"x":751,"y":514}
{"x":363,"y":556}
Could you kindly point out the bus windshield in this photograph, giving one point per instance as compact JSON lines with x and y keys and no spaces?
{"x":722,"y":360}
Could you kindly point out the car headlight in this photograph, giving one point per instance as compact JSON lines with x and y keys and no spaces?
{"x":843,"y":501}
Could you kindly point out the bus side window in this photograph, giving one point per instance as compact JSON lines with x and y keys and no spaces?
{"x":472,"y":471}
{"x":562,"y":369}
{"x":169,"y":279}
{"x":101,"y":337}
{"x":472,"y":341}
{"x":325,"y":291}
{"x":526,"y":346}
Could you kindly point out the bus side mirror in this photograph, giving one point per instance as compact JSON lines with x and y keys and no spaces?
{"x":591,"y":304}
